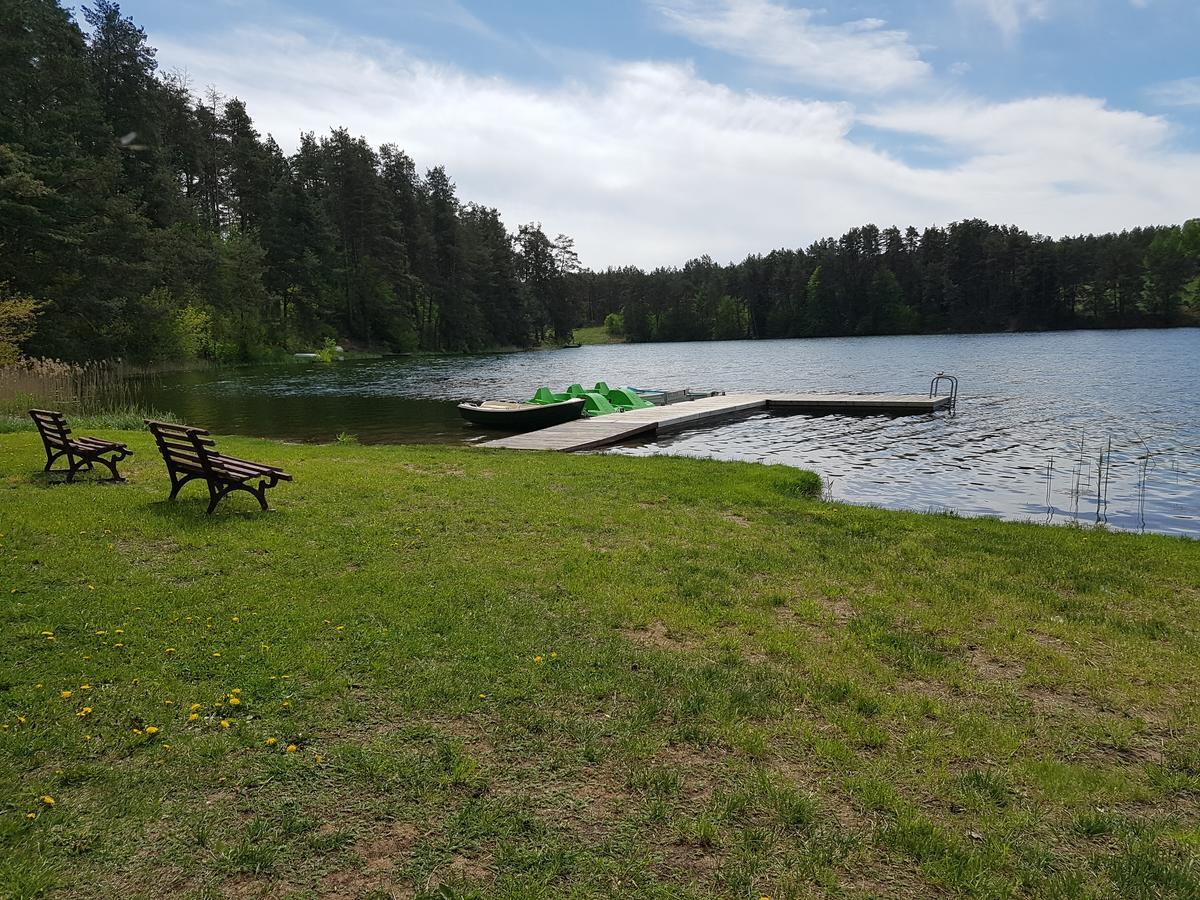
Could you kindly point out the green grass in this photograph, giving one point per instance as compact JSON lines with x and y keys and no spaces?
{"x":595,"y":334}
{"x":517,"y":676}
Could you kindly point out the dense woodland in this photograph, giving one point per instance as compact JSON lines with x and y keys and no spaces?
{"x":141,"y":219}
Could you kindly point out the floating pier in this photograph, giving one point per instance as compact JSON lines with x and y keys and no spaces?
{"x":603,"y":431}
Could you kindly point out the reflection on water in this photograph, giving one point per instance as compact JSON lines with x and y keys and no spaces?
{"x":1087,"y":426}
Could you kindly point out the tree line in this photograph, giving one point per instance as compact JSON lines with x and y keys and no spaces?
{"x":141,"y":221}
{"x":968,"y":277}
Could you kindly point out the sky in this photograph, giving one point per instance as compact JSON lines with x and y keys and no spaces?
{"x":655,"y":131}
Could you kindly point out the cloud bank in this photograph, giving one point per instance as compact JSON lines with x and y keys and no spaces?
{"x":648,"y":163}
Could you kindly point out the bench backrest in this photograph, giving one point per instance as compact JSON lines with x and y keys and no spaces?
{"x":183,"y":446}
{"x":52,"y":426}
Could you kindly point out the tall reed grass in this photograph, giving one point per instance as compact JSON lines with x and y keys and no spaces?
{"x":104,"y":393}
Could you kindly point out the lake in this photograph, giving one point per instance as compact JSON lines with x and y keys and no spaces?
{"x":1091,"y":426}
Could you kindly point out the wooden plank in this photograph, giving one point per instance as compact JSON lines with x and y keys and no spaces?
{"x":858,"y":403}
{"x":602,"y":431}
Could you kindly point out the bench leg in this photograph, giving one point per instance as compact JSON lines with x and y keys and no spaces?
{"x":177,"y":483}
{"x":111,"y":464}
{"x":51,"y":457}
{"x":217,"y":494}
{"x":214,"y":497}
{"x":75,"y":467}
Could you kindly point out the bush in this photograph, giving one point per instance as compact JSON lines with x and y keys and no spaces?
{"x":614,"y":325}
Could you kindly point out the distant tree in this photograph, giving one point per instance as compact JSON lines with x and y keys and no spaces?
{"x":18,"y":320}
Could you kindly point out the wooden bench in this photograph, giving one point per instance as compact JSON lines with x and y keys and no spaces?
{"x":81,"y":452}
{"x":189,"y":454}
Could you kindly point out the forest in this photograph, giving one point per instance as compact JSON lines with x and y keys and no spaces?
{"x":144,"y":220}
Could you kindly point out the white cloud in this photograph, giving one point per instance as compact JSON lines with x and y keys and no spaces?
{"x":862,"y":56}
{"x":1183,"y":92}
{"x":1009,"y":15}
{"x":650,"y":164}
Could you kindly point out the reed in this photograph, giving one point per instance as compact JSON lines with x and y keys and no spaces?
{"x":89,"y":388}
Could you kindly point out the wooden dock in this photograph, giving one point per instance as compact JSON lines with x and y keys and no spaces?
{"x":602,"y":431}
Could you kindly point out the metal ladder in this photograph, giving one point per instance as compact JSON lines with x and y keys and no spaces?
{"x":935,"y":387}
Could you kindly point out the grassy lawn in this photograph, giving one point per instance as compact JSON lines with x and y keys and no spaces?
{"x":459,"y":673}
{"x":595,"y":334}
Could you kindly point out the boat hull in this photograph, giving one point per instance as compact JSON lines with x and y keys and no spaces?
{"x":521,"y":416}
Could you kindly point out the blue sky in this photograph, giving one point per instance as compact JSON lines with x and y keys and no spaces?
{"x":657,"y":130}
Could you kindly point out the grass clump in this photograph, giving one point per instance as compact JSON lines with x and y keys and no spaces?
{"x":459,"y":672}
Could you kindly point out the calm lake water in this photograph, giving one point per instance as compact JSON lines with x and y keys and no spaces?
{"x":1036,"y":414}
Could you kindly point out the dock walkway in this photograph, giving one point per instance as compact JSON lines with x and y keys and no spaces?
{"x":602,"y":431}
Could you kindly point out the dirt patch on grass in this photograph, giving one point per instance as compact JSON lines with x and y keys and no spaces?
{"x":736,"y":519}
{"x":689,"y":862}
{"x":382,"y":852}
{"x":993,"y":668}
{"x":839,"y":607}
{"x":656,"y":636}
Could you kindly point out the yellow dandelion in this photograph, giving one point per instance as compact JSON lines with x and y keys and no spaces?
{"x":169,"y":702}
{"x":192,"y":717}
{"x":271,"y":742}
{"x":47,"y":800}
{"x":194,"y":707}
{"x":101,"y":631}
{"x":235,"y":701}
{"x":292,"y":748}
{"x":118,"y":645}
{"x":151,"y":729}
{"x":86,"y":711}
{"x":216,"y":653}
{"x":91,"y":587}
{"x":21,"y":720}
{"x":137,"y":731}
{"x":554,"y":656}
{"x":85,"y":687}
{"x":483,"y":696}
{"x":31,"y":815}
{"x":237,"y":618}
{"x":47,"y":634}
{"x":236,"y":691}
{"x":317,"y":759}
{"x":66,"y":695}
{"x":118,"y":631}
{"x":286,"y":704}
{"x":285,"y":676}
{"x":538,"y":660}
{"x":86,"y":658}
{"x":169,"y":650}
{"x":224,"y":723}
{"x":341,"y":628}
{"x":87,"y":737}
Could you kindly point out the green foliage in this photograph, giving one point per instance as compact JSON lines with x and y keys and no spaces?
{"x":329,"y":351}
{"x":614,"y":324}
{"x":18,"y":321}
